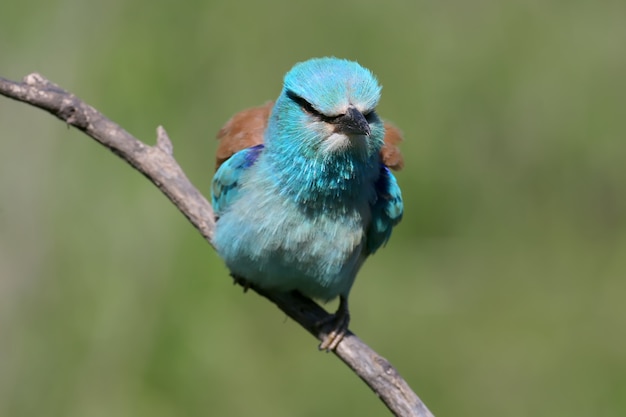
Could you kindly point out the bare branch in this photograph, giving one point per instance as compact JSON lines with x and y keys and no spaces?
{"x":159,"y":166}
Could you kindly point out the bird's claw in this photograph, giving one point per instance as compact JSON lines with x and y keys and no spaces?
{"x":339,"y":322}
{"x":237,"y":280}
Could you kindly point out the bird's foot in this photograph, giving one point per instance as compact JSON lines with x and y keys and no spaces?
{"x":339,"y":326}
{"x":237,"y":280}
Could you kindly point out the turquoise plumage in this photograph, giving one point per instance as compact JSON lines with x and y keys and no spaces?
{"x":304,"y":209}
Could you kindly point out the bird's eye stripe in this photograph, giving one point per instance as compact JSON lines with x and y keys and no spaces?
{"x":308,"y":107}
{"x":370,"y":115}
{"x":302,"y":102}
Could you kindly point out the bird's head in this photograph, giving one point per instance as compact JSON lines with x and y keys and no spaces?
{"x":327,"y":107}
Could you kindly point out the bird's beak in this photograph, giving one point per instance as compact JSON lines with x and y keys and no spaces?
{"x":353,"y":122}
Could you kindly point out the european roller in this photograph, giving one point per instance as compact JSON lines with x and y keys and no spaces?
{"x":303,"y":193}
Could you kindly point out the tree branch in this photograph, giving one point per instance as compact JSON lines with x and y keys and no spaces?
{"x":159,"y":166}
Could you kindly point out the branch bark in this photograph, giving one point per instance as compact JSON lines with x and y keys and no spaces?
{"x":157,"y":163}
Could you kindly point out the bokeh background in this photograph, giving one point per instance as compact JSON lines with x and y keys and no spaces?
{"x":502,"y":292}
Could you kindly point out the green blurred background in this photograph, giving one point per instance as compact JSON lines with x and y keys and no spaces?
{"x":502,"y":292}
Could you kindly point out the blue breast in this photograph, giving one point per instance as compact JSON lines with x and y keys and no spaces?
{"x":295,"y":241}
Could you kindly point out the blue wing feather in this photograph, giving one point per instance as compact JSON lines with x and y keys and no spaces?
{"x":387,"y":210}
{"x":225,"y":185}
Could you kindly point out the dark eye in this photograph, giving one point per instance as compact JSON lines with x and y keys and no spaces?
{"x":302,"y":103}
{"x":370,"y":116}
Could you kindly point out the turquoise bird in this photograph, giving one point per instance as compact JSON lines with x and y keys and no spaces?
{"x":303,"y":193}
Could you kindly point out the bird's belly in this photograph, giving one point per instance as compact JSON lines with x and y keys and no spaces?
{"x":318,"y":255}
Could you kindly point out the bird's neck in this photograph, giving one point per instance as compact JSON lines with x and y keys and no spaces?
{"x":316,"y":179}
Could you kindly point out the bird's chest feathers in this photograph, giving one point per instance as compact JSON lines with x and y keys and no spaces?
{"x":334,"y":183}
{"x":314,"y":204}
{"x":308,"y":223}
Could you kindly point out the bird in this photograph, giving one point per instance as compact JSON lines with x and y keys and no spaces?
{"x":303,"y":191}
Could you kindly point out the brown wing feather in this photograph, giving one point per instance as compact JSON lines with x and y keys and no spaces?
{"x":245,"y":129}
{"x":390,"y":151}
